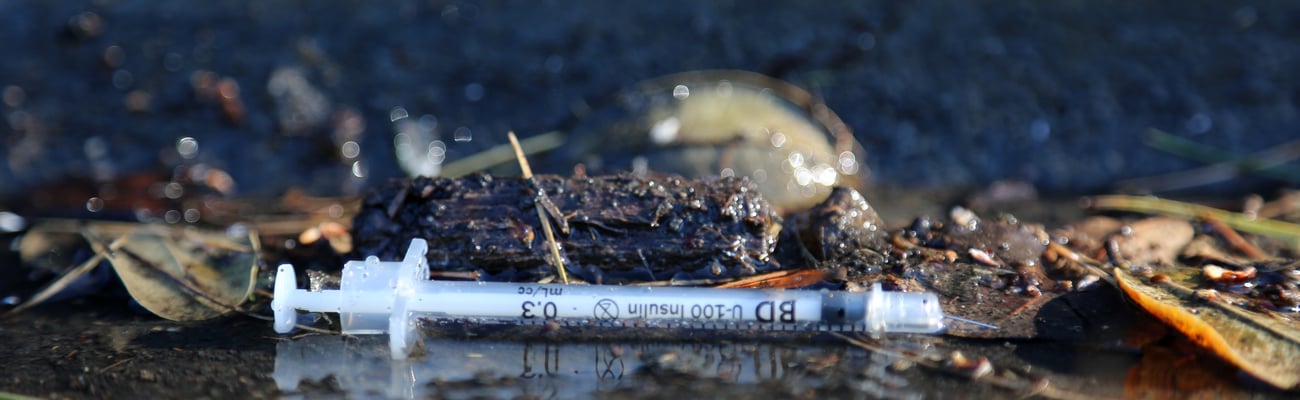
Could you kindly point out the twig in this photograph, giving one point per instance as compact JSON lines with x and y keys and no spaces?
{"x":781,"y":279}
{"x":466,"y":275}
{"x":1234,"y":239}
{"x":118,"y":363}
{"x":541,"y":210}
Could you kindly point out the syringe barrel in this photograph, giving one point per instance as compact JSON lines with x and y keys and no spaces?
{"x":605,"y":303}
{"x":793,"y":309}
{"x":377,"y":297}
{"x":903,"y":312}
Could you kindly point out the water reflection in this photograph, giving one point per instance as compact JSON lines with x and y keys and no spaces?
{"x":362,"y":366}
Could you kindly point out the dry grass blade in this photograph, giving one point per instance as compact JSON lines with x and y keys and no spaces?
{"x":1152,"y":205}
{"x":501,"y":154}
{"x":556,"y":259}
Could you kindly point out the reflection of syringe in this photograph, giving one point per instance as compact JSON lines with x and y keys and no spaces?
{"x":378,"y":297}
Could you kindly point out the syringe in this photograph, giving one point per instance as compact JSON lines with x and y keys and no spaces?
{"x":376,"y":297}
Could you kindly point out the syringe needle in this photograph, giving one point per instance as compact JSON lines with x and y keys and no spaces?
{"x":972,"y":322}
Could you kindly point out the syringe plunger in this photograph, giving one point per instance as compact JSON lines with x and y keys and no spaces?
{"x":377,"y":297}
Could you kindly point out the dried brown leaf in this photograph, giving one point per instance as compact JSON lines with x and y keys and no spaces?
{"x":1258,"y":344}
{"x":182,"y":274}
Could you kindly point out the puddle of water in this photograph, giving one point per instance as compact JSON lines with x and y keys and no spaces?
{"x":362,"y":366}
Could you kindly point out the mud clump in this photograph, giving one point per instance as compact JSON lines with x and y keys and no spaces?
{"x":610,"y":228}
{"x":841,"y":224}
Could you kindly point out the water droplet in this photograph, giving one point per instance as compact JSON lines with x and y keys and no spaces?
{"x":173,"y":190}
{"x":228,"y":89}
{"x":778,"y":139}
{"x":796,"y":159}
{"x":825,"y":175}
{"x":172,"y":216}
{"x":802,"y":176}
{"x":727,"y":173}
{"x":187,"y":147}
{"x":402,"y":142}
{"x":848,"y":163}
{"x":14,"y":96}
{"x":122,"y":79}
{"x":358,"y":169}
{"x":397,"y":113}
{"x":665,"y":131}
{"x":681,"y":92}
{"x":192,"y":215}
{"x":10,"y":222}
{"x":462,"y":134}
{"x":437,"y":152}
{"x":1199,"y":123}
{"x":114,"y":56}
{"x":350,"y":149}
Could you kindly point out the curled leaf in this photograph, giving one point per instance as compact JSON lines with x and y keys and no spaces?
{"x":1258,"y":344}
{"x":182,"y":274}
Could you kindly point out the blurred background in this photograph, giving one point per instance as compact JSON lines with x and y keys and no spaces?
{"x":161,"y":111}
{"x":254,"y":97}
